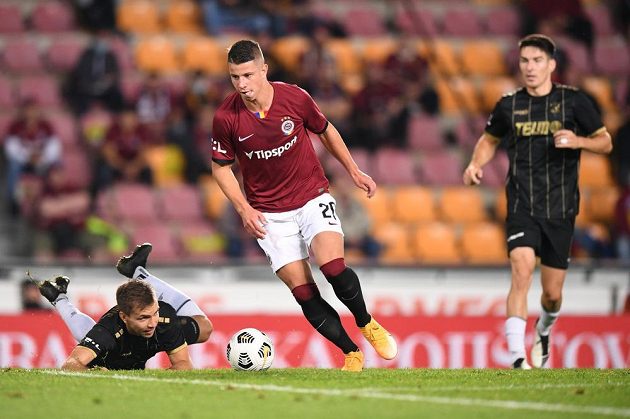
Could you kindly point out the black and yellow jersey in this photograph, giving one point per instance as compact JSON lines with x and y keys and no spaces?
{"x":117,"y":349}
{"x":542,"y":179}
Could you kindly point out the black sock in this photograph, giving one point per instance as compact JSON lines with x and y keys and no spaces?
{"x":190,"y":329}
{"x":348,"y":289}
{"x":323,"y":317}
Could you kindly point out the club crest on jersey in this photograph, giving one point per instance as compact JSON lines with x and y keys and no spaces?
{"x":287,"y":125}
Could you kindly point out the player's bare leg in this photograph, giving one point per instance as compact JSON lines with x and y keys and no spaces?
{"x":329,"y":255}
{"x":196,"y":325}
{"x":523,"y":261}
{"x":299,"y":278}
{"x":552,"y":280}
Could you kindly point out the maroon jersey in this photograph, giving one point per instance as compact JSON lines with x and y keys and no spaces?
{"x":281,"y":171}
{"x":33,"y":138}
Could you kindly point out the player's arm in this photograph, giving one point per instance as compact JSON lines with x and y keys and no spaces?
{"x":180,"y":358}
{"x":253,"y":220}
{"x":334,"y":144}
{"x":79,"y":359}
{"x":599,"y":142}
{"x":484,"y":152}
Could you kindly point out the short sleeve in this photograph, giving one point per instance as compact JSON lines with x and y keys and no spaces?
{"x":588,"y":119}
{"x":99,"y":340}
{"x":222,"y":145}
{"x":499,"y":123}
{"x":314,"y":119}
{"x":171,"y":336}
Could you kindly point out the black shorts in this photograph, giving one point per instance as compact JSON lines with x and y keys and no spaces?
{"x":550,"y":238}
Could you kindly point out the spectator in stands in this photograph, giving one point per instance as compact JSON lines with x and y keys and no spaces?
{"x":123,"y":152}
{"x":96,"y":77}
{"x":181,"y":134}
{"x":200,"y":91}
{"x":621,"y":153}
{"x":197,"y":164}
{"x":30,"y":146}
{"x":332,"y":100}
{"x":30,"y":296}
{"x":622,"y":223}
{"x":315,"y":57}
{"x":96,"y":14}
{"x":61,"y":213}
{"x":277,"y":72}
{"x":153,"y":106}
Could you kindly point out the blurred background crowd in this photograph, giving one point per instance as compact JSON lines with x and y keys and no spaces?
{"x":106,"y":114}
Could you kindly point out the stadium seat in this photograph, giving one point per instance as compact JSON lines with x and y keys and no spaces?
{"x":379,"y":207}
{"x":377,"y":50}
{"x":424,"y":133}
{"x":134,"y":202}
{"x":130,"y":85}
{"x":600,"y":204}
{"x":461,"y":204}
{"x":288,"y":51}
{"x":52,"y":16}
{"x":442,"y":58}
{"x":139,"y":16}
{"x":468,"y":130}
{"x":482,"y":58}
{"x":7,"y":95}
{"x":495,"y":172}
{"x":503,"y":21}
{"x":493,"y":88}
{"x":363,"y":21}
{"x":215,"y":201}
{"x":395,"y":239}
{"x":462,"y":22}
{"x":577,"y":54}
{"x":5,"y":120}
{"x":457,"y":95}
{"x":204,"y":54}
{"x":44,"y":89}
{"x":346,"y":57}
{"x":601,"y":90}
{"x":21,"y":56}
{"x":413,"y":204}
{"x":183,"y":16}
{"x":612,"y":58}
{"x":161,"y":236}
{"x":436,"y":243}
{"x":167,"y":163}
{"x":11,"y":19}
{"x":393,"y":167}
{"x":201,"y":242}
{"x":64,"y":53}
{"x":416,"y":22}
{"x":602,"y":21}
{"x":441,"y":168}
{"x":484,"y":243}
{"x":157,"y":54}
{"x":76,"y":166}
{"x":361,"y":156}
{"x":595,"y":170}
{"x":180,"y":203}
{"x":65,"y":126}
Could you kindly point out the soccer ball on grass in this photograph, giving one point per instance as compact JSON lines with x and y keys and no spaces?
{"x":250,"y":350}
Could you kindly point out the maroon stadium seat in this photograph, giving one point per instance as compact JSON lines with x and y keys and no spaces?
{"x":441,"y":168}
{"x":65,"y":126}
{"x":180,"y":203}
{"x":612,"y":58}
{"x":601,"y":20}
{"x":64,"y":53}
{"x":5,"y":120}
{"x":577,"y":53}
{"x":415,"y":21}
{"x":468,"y":131}
{"x":424,"y":133}
{"x":7,"y":97}
{"x":165,"y":246}
{"x":503,"y":21}
{"x":52,"y":16}
{"x":393,"y":167}
{"x":22,"y":56}
{"x":134,"y":202}
{"x":11,"y":18}
{"x":363,"y":21}
{"x":495,"y":172}
{"x":77,"y":168}
{"x":463,"y":22}
{"x":44,"y":89}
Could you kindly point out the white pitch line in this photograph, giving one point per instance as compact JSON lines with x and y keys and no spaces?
{"x":505,"y":387}
{"x":461,"y":401}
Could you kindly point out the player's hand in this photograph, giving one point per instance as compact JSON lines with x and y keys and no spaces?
{"x":473,"y":175}
{"x":365,"y":182}
{"x":254,"y":222}
{"x":564,"y":138}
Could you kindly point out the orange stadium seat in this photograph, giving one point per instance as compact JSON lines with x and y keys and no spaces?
{"x":377,"y":50}
{"x":441,"y":57}
{"x":396,"y":243}
{"x":167,"y":164}
{"x":183,"y":16}
{"x":204,"y":54}
{"x":345,"y":55}
{"x":484,"y":243}
{"x":461,"y":204}
{"x":457,"y":95}
{"x":493,"y":88}
{"x":379,"y":207}
{"x":140,"y":16}
{"x":483,"y":58}
{"x":436,"y":243}
{"x":600,"y":204}
{"x":413,"y":204}
{"x":289,"y":49}
{"x":601,"y":90}
{"x":595,"y":170}
{"x":157,"y":54}
{"x":215,"y":201}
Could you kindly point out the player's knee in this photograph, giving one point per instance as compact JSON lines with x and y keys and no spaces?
{"x":205,"y":328}
{"x":551,"y":298}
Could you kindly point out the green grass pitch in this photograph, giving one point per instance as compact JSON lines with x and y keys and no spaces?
{"x":315,"y":393}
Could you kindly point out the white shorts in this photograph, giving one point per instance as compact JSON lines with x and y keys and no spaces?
{"x":289,"y":234}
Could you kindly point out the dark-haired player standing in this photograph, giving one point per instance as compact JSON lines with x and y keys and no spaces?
{"x":286,"y":204}
{"x":546,"y":126}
